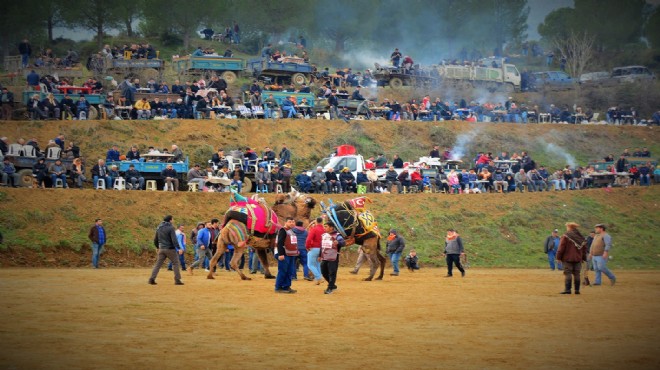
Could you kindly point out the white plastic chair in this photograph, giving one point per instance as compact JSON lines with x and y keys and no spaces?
{"x":29,"y":151}
{"x":100,"y":184}
{"x":244,"y":111}
{"x":15,"y":150}
{"x":53,"y":152}
{"x":120,"y":184}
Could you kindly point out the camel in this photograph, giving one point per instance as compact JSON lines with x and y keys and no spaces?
{"x":295,"y":205}
{"x":247,"y":222}
{"x":346,"y":219}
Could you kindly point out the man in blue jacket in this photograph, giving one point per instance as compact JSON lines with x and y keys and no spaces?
{"x":202,"y":247}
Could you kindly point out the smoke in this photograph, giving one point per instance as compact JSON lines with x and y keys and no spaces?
{"x":462,"y":141}
{"x":560,"y":152}
{"x":365,"y":58}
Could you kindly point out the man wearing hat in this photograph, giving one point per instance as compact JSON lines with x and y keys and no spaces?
{"x":196,"y":175}
{"x":550,"y":248}
{"x":395,"y":246}
{"x":600,"y":250}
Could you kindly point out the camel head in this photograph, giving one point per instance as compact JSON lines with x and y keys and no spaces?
{"x":287,"y":198}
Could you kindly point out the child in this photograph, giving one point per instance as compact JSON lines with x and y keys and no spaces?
{"x":331,"y":243}
{"x":411,"y":261}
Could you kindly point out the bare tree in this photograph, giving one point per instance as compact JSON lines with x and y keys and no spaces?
{"x":578,"y":51}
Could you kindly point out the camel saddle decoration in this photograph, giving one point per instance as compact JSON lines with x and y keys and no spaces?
{"x":259,"y":219}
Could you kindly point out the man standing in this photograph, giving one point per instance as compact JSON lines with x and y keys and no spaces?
{"x":202,"y":247}
{"x":313,"y":245}
{"x":395,"y":246}
{"x":453,"y":251}
{"x":25,"y":50}
{"x":550,"y":248}
{"x":166,"y":241}
{"x":181,"y":238}
{"x":331,"y":244}
{"x":301,"y":239}
{"x":572,"y":251}
{"x":98,"y":238}
{"x":287,"y":251}
{"x":600,"y":253}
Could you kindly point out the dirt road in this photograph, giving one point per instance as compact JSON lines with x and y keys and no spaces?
{"x":494,"y":319}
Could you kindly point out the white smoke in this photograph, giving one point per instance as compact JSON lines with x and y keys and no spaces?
{"x":365,"y":59}
{"x":560,"y":152}
{"x":462,"y":141}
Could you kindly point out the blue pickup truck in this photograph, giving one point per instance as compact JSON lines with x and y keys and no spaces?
{"x":290,"y":70}
{"x":227,"y":68}
{"x":151,"y":165}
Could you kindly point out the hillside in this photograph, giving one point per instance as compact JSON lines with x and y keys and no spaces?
{"x":49,"y":227}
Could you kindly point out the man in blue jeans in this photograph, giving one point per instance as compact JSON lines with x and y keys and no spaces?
{"x":550,"y":248}
{"x":287,"y":251}
{"x":98,"y":237}
{"x":600,"y":253}
{"x":395,"y":246}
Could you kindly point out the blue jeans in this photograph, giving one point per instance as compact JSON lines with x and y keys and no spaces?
{"x":253,"y":261}
{"x":303,"y":261}
{"x":25,"y":58}
{"x":394,"y":258}
{"x":54,"y":177}
{"x":600,"y":266}
{"x":285,"y":269}
{"x":108,"y":181}
{"x":96,"y":252}
{"x":229,"y":254}
{"x":238,"y":183}
{"x":313,"y":263}
{"x":291,"y":111}
{"x":552,"y":255}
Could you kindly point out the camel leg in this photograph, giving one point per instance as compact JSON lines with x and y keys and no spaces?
{"x":373,"y":261}
{"x":239,"y":249}
{"x":263,"y":258}
{"x":381,"y":258}
{"x":222,"y":247}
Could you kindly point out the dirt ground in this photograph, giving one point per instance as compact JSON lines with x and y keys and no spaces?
{"x":495,"y":319}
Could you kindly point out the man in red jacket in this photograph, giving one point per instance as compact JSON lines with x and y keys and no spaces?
{"x":313,"y":245}
{"x":572,"y":252}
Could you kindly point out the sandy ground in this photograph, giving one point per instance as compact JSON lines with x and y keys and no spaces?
{"x":491,"y":319}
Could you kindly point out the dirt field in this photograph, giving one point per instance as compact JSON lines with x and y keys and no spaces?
{"x":495,"y":319}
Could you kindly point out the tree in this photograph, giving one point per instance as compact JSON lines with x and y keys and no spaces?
{"x":557,"y":24}
{"x":127,"y":12}
{"x":94,"y":15}
{"x":652,"y":29}
{"x":578,"y":50}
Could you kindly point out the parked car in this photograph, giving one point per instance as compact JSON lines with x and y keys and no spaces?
{"x":632,"y":74}
{"x":553,"y":80}
{"x":591,"y":77}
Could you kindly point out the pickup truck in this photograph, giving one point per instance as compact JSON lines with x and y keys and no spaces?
{"x":282,"y":72}
{"x":229,"y":69}
{"x":151,"y":165}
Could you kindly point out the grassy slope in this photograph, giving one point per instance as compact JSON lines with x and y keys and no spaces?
{"x":500,"y":230}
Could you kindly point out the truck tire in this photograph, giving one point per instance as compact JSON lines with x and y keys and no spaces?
{"x":509,"y":88}
{"x":25,"y":178}
{"x":229,"y":76}
{"x":396,"y":82}
{"x":299,"y":78}
{"x":93,"y":113}
{"x":247,"y":186}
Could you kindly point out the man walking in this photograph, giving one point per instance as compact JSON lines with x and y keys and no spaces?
{"x":572,"y":252}
{"x":600,"y":253}
{"x":313,"y":245}
{"x":331,"y":245}
{"x":202,"y":247}
{"x":550,"y":248}
{"x":453,"y":251}
{"x":98,"y":237}
{"x":287,"y":251}
{"x":166,"y":241}
{"x":395,"y":246}
{"x":301,"y":239}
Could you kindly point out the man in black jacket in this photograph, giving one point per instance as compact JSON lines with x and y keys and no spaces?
{"x":168,"y":247}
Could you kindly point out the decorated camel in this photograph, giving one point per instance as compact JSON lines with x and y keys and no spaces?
{"x":247,"y":222}
{"x":358,"y":226}
{"x":296,"y":205}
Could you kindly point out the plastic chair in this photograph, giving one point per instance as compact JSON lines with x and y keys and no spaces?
{"x":100,"y":184}
{"x":120,"y":184}
{"x":193,"y":186}
{"x":53,"y":152}
{"x":29,"y":151}
{"x":59,"y":183}
{"x":278,"y":189}
{"x":252,"y":164}
{"x":168,"y":186}
{"x":151,"y":185}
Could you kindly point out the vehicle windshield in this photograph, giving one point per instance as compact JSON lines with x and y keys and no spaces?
{"x":323,"y":163}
